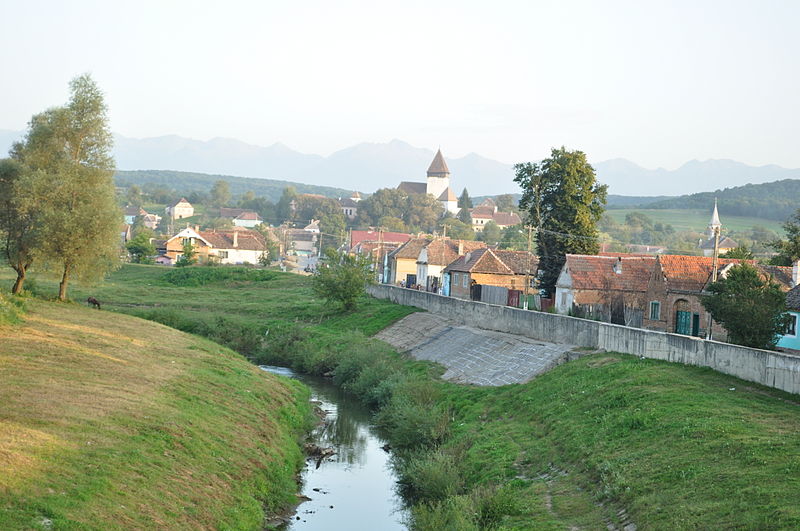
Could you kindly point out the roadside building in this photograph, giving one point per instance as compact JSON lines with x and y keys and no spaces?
{"x":609,"y":288}
{"x":438,"y":254}
{"x":180,"y":209}
{"x":487,"y":211}
{"x":506,"y":269}
{"x":402,"y":262}
{"x":236,"y":246}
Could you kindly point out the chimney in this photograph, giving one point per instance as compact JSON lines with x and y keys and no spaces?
{"x":795,"y":272}
{"x":235,"y":238}
{"x":461,"y":248}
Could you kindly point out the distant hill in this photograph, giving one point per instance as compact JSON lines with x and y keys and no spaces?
{"x":369,"y":166}
{"x":186,"y":182}
{"x":776,"y":200}
{"x":625,"y":177}
{"x":625,"y":201}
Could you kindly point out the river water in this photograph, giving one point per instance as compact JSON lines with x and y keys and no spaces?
{"x":354,"y":489}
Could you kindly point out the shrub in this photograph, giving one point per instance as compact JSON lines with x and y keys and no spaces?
{"x":200,"y":276}
{"x":455,"y":512}
{"x":10,"y":310}
{"x":414,"y":418}
{"x":429,"y":476}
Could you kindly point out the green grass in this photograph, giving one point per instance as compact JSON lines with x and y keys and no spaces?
{"x":111,"y":422}
{"x":695,"y":220}
{"x":674,"y":446}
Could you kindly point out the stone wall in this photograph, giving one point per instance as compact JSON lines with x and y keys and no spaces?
{"x":773,"y":369}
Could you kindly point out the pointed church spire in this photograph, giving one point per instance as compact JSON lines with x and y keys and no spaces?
{"x":438,"y":167}
{"x":714,"y":223}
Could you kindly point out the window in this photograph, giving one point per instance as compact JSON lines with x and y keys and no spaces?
{"x":791,"y":328}
{"x":223,"y":254}
{"x":464,"y":280}
{"x":655,"y":311}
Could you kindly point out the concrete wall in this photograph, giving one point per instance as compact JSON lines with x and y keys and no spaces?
{"x":773,"y":369}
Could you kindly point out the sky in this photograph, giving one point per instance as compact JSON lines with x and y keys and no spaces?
{"x":658,"y":83}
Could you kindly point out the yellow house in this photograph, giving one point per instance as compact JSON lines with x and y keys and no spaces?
{"x":403,"y":261}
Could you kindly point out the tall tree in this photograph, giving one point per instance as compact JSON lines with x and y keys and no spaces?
{"x":506,"y":203}
{"x":19,"y":224}
{"x":284,"y":207}
{"x":564,"y":203}
{"x":788,"y":249}
{"x":752,"y":309}
{"x":464,"y":200}
{"x":491,"y":233}
{"x":80,"y":220}
{"x":134,"y":196}
{"x":220,"y":193}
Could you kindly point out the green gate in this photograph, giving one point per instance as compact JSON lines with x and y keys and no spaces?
{"x":683,"y":323}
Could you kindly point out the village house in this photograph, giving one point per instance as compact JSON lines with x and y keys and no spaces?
{"x":180,"y":209}
{"x":150,"y":221}
{"x":437,"y":184}
{"x":609,"y":288}
{"x":438,"y":254}
{"x":236,"y":246}
{"x":490,"y":267}
{"x":241,"y":217}
{"x":402,"y":262}
{"x":349,"y":205}
{"x":790,"y":339}
{"x":301,"y":241}
{"x":487,"y":211}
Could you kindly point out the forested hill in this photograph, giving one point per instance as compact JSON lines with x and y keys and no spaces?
{"x":183,"y":183}
{"x":776,"y":200}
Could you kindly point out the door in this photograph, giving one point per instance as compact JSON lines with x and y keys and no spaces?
{"x":683,"y":322}
{"x":696,"y":325}
{"x":411,"y":280}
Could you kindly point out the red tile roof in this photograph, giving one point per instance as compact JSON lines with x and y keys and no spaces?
{"x":410,"y":249}
{"x":592,"y":272}
{"x":507,"y":219}
{"x":443,"y":252}
{"x":689,"y":273}
{"x":248,"y":240}
{"x":438,"y":166}
{"x":495,"y":262}
{"x":413,"y":188}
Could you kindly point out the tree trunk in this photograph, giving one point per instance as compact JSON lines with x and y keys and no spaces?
{"x":17,"y":289}
{"x":62,"y":286}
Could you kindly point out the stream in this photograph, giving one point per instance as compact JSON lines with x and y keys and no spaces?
{"x":354,"y":489}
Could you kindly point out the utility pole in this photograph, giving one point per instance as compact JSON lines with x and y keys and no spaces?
{"x":527,"y":268}
{"x":714,"y":267}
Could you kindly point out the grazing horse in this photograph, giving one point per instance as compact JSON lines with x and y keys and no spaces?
{"x":91,"y":301}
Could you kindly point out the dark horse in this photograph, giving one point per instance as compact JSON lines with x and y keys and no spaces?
{"x":91,"y":301}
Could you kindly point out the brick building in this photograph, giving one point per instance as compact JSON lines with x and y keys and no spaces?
{"x":491,"y":268}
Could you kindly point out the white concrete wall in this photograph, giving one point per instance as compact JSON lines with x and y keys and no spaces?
{"x":773,"y":369}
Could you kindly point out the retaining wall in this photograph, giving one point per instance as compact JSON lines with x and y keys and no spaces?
{"x":773,"y":369}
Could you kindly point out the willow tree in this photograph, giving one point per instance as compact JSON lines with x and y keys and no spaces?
{"x":69,"y":148}
{"x":19,"y":227}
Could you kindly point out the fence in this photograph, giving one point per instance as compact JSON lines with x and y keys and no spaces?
{"x":773,"y":369}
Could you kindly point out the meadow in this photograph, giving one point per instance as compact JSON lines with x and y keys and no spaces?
{"x":112,"y":422}
{"x":695,"y":220}
{"x":609,"y":439}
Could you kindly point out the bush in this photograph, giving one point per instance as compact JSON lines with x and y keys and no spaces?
{"x":10,"y":310}
{"x":414,"y":418}
{"x":200,"y":276}
{"x":455,"y":512}
{"x":429,"y":476}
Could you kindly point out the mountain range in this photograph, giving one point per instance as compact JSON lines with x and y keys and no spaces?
{"x":369,"y":166}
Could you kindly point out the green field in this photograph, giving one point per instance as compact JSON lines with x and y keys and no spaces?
{"x":607,"y":439}
{"x":696,"y":220}
{"x":112,"y":422}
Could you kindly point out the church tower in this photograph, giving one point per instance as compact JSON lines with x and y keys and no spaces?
{"x":438,"y":176}
{"x":714,"y":224}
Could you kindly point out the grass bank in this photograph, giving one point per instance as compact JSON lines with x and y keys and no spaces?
{"x":111,"y":422}
{"x":608,"y":439}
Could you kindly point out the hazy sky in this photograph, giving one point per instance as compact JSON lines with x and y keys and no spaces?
{"x":655,"y":82}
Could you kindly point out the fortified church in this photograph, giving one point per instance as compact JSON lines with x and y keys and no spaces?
{"x":437,"y":185}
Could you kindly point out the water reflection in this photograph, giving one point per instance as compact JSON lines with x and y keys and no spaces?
{"x":355,"y":488}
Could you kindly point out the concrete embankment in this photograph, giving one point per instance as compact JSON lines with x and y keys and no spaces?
{"x":472,"y":355}
{"x":774,"y":369}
